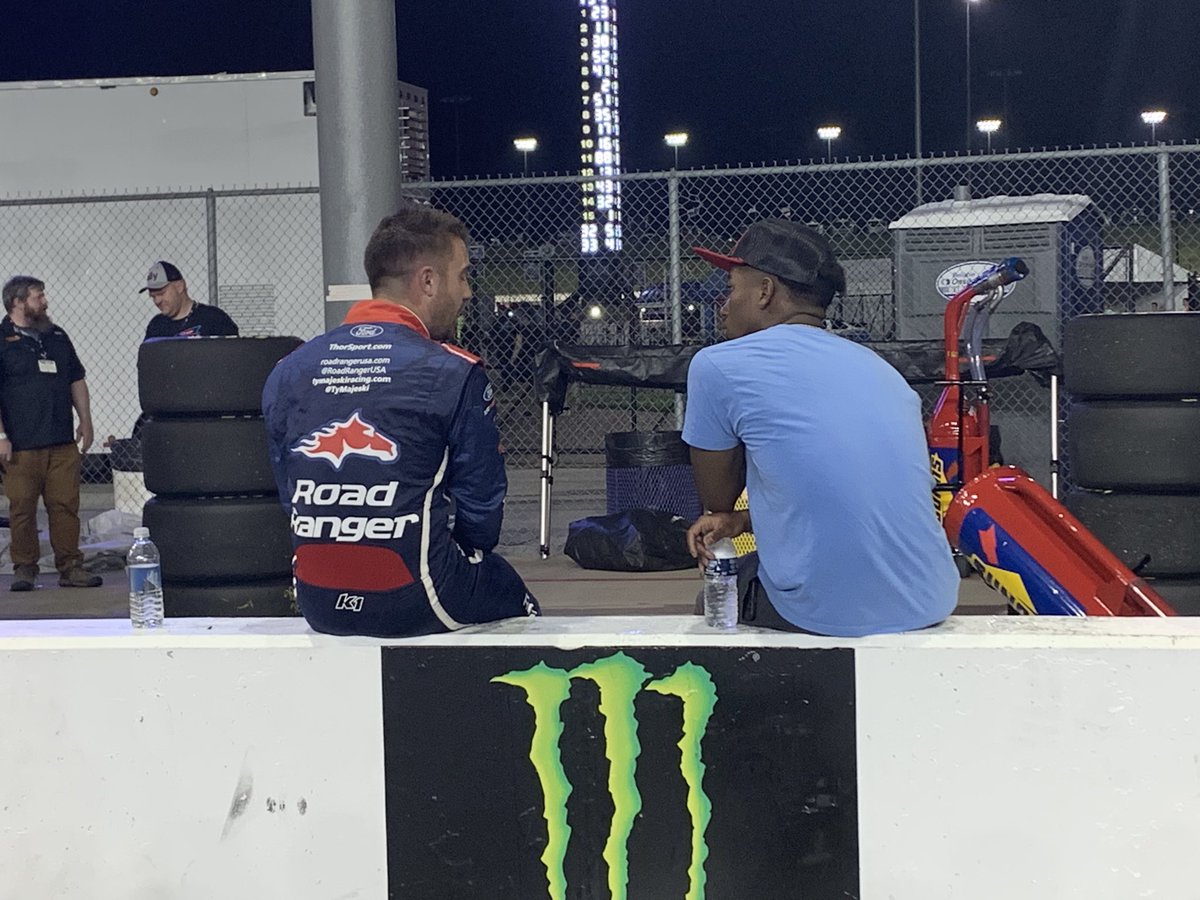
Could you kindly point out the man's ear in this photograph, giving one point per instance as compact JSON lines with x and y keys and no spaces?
{"x":426,"y":280}
{"x":767,"y":289}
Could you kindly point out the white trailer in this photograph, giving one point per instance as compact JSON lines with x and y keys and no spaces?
{"x":124,"y":135}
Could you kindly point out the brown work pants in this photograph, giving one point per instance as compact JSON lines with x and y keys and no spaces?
{"x":51,"y":473}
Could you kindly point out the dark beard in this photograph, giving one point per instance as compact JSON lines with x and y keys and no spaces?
{"x":41,"y":324}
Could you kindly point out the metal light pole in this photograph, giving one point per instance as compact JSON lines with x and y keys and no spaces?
{"x":1004,"y":75}
{"x":988,"y":127}
{"x":675,"y":140}
{"x":526,"y":145}
{"x":829,"y":134}
{"x":358,"y":133}
{"x":916,"y":72}
{"x":457,"y":102}
{"x":969,"y":2}
{"x":1154,"y":118}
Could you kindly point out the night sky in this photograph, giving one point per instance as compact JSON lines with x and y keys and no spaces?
{"x":749,"y":79}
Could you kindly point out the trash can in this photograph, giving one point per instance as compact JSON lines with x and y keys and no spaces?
{"x":129,"y":488}
{"x":649,"y":470}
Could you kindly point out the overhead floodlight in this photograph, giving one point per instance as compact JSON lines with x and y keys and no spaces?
{"x":676,"y":139}
{"x":1154,"y":118}
{"x":829,"y":134}
{"x":988,"y":127}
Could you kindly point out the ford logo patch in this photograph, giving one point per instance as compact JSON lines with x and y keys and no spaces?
{"x":366,"y":331}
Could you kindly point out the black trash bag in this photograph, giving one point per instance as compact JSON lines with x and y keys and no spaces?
{"x":636,"y":540}
{"x":126,"y":455}
{"x":1027,"y":350}
{"x":641,"y":449}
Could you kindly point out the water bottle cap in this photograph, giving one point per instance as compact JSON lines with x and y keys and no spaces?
{"x":723,"y":549}
{"x":141,"y":533}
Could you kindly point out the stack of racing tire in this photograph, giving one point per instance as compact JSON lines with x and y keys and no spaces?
{"x":1133,"y":430}
{"x":216,"y":518}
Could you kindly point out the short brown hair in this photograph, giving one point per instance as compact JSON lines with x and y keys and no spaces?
{"x":411,"y":233}
{"x":18,"y":288}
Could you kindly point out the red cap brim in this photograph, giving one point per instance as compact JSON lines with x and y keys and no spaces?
{"x":720,"y":260}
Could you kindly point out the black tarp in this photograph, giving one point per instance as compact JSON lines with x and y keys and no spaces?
{"x":1026,"y":349}
{"x":645,"y":367}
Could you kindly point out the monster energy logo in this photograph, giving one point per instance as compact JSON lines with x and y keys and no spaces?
{"x":619,"y":680}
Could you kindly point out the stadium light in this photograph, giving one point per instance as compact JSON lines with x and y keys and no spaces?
{"x":988,"y":127}
{"x":1154,"y":118}
{"x":526,"y":145}
{"x":829,"y":134}
{"x":675,"y":140}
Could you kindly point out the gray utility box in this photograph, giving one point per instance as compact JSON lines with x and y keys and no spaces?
{"x":940,"y":247}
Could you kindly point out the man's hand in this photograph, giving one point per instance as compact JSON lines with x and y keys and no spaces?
{"x":6,"y":451}
{"x":711,"y":527}
{"x":83,"y":434}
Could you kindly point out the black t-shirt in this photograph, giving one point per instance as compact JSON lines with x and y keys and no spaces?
{"x":36,"y":374}
{"x":202,"y":321}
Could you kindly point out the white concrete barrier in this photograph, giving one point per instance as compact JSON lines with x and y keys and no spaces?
{"x":640,"y":757}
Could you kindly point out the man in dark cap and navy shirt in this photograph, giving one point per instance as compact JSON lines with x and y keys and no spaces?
{"x":178,"y":314}
{"x":826,"y":438}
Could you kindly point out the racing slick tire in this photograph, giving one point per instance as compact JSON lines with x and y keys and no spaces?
{"x":207,"y":376}
{"x":1163,"y":527}
{"x":275,"y":597}
{"x":206,"y":456}
{"x":221,"y":539}
{"x":1124,"y":445}
{"x":1132,"y":355}
{"x":1182,"y":593}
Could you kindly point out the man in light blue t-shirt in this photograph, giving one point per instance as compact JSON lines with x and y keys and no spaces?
{"x":826,"y":437}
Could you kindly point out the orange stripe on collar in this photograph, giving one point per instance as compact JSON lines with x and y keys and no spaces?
{"x":385,"y":311}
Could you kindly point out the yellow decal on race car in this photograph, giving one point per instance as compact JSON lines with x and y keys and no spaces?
{"x":1009,"y":584}
{"x":941,"y":499}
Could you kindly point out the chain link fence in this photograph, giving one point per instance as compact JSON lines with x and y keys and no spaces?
{"x":1120,"y":232}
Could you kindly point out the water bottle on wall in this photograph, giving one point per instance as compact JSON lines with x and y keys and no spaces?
{"x":720,"y":587}
{"x":145,"y":582}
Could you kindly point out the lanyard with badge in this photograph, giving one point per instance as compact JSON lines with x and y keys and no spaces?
{"x":46,"y":365}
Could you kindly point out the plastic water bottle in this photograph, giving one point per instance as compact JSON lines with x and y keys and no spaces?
{"x":720,"y":587}
{"x":145,"y":582}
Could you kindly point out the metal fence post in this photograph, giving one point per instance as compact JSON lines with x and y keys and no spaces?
{"x":1164,"y":215}
{"x":674,"y":276}
{"x":210,"y":215}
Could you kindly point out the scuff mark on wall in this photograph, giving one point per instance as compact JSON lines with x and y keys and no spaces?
{"x":241,"y":799}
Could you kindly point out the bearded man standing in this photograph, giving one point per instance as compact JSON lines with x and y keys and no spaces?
{"x":42,"y":388}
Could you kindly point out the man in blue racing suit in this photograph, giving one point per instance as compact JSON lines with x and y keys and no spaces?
{"x":375,"y":429}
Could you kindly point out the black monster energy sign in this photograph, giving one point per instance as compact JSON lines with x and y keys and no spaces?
{"x":658,"y":773}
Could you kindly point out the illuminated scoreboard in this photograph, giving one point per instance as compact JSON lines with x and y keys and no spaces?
{"x":600,"y":142}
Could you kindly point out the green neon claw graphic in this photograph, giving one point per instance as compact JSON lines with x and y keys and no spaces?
{"x":619,"y":679}
{"x":545,"y":690}
{"x":694,"y":686}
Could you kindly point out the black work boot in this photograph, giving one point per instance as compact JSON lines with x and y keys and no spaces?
{"x":24,"y":578}
{"x":78,"y":576}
